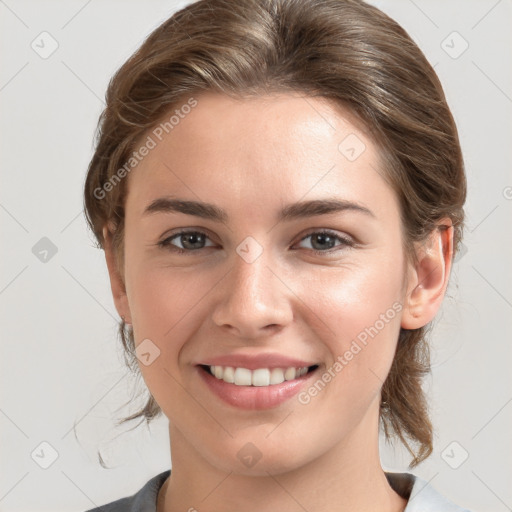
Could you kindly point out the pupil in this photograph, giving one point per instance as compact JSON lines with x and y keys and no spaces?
{"x":323,"y":238}
{"x":191,"y":238}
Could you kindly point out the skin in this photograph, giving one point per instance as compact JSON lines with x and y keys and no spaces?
{"x":251,"y":157}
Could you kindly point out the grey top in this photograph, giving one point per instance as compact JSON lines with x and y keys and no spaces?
{"x":421,"y":495}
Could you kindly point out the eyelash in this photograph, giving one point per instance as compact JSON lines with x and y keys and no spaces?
{"x":166,"y":244}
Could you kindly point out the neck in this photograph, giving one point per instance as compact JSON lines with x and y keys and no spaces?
{"x":347,"y":477}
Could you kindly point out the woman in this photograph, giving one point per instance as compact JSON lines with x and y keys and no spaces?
{"x":278,"y":187}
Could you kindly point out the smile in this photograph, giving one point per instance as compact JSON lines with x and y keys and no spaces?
{"x":261,"y":388}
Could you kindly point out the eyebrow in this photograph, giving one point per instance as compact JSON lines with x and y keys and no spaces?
{"x":299,"y":210}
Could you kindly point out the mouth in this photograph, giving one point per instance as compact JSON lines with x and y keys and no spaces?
{"x":258,"y":389}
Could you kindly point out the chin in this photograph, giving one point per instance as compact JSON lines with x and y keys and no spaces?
{"x":258,"y":458}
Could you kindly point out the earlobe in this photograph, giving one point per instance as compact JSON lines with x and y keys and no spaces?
{"x":429,"y":279}
{"x":117,"y":284}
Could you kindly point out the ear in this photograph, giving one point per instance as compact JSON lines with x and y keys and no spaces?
{"x":428,"y":280}
{"x":116,"y":281}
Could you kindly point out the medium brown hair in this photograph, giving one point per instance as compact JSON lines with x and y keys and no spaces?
{"x":343,"y":50}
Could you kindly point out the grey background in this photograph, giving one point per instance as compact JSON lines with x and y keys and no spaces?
{"x":61,"y":364}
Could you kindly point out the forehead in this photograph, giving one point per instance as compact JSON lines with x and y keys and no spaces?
{"x":260,"y":150}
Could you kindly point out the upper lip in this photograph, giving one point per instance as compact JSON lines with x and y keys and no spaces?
{"x":253,"y":362}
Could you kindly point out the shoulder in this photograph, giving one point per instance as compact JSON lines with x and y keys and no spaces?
{"x":422,"y":497}
{"x":143,"y":500}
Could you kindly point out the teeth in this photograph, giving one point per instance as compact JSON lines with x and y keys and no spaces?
{"x":259,"y":377}
{"x":243,"y":376}
{"x":276,"y":376}
{"x":289,"y":374}
{"x":229,"y":374}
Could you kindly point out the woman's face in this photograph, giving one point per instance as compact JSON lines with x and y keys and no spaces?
{"x":251,"y":292}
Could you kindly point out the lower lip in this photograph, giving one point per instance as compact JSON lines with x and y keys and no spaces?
{"x":254,"y":397}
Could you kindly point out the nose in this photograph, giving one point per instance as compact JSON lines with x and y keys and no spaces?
{"x":252,"y":301}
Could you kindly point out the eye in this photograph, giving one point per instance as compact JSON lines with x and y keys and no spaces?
{"x":324,"y":241}
{"x":190,"y":241}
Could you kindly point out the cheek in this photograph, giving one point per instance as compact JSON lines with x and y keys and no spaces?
{"x":164,"y":303}
{"x":356,"y":312}
{"x":161,"y":297}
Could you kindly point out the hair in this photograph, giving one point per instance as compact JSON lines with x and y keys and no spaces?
{"x":345,"y":51}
